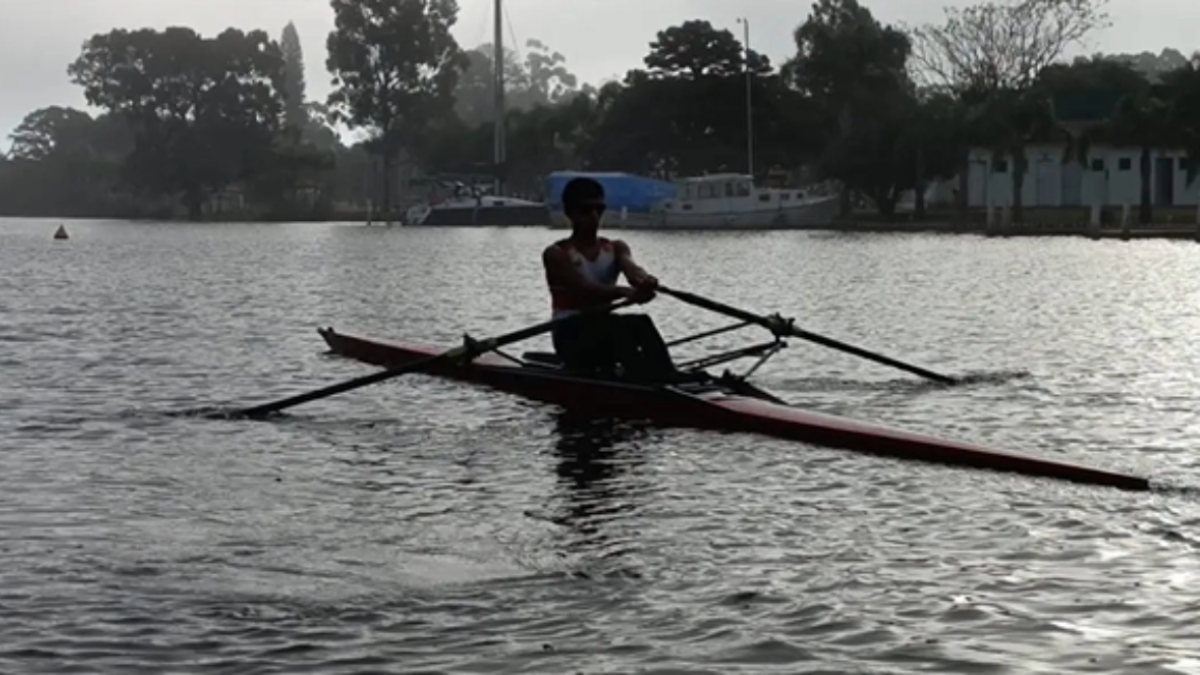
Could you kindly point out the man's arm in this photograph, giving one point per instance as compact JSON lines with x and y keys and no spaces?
{"x":637,"y":277}
{"x":561,"y":272}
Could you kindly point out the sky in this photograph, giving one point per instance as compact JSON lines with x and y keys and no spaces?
{"x":601,"y":39}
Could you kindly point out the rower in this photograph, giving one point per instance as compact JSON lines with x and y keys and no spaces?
{"x":582,"y":272}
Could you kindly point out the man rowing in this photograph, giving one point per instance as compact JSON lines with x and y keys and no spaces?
{"x":582,"y":272}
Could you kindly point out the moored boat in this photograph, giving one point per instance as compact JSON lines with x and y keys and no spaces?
{"x":630,"y":198}
{"x":733,"y":202}
{"x":467,"y":207}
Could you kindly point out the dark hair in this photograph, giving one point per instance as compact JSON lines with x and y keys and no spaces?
{"x":579,"y":190}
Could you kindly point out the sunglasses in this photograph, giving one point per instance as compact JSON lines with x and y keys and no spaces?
{"x":594,"y":207}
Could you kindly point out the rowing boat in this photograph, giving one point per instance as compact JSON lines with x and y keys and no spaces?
{"x":728,"y":402}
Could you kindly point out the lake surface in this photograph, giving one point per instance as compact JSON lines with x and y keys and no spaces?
{"x":426,"y":526}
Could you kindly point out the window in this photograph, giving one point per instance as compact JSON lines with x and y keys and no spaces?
{"x":764,"y":197}
{"x":785,"y":196}
{"x":687,"y":207}
{"x":1000,"y":166}
{"x":1097,"y":165}
{"x":1125,"y":164}
{"x":729,"y":189}
{"x":743,"y":190}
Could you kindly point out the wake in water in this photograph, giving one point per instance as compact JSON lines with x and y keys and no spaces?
{"x":901,"y":385}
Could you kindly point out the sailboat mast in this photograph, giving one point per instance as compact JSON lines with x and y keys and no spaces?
{"x":498,"y":149}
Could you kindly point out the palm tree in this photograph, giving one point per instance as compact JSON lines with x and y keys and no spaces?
{"x":1143,"y":120}
{"x":1182,"y":88}
{"x":1006,"y":121}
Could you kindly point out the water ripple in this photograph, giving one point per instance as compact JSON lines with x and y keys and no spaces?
{"x":426,"y":526}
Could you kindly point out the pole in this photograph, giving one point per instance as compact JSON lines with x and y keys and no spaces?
{"x":749,"y":103}
{"x":498,"y":149}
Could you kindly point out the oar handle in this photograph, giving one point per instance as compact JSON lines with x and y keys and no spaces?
{"x":784,"y":327}
{"x":720,"y":308}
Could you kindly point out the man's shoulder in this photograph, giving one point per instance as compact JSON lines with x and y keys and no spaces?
{"x":555,"y":250}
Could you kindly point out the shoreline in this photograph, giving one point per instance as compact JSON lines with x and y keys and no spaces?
{"x":865,"y":225}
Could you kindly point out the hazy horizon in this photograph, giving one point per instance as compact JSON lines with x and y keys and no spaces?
{"x":39,"y":38}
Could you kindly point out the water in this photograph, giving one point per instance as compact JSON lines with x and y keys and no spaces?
{"x":426,"y":526}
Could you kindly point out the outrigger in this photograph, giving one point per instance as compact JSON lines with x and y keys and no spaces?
{"x":700,"y":400}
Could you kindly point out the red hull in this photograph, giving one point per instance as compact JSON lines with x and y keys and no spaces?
{"x":719,"y":410}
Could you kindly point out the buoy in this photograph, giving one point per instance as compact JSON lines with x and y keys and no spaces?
{"x":61,"y":233}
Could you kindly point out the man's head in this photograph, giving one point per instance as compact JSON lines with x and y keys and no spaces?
{"x":583,"y":204}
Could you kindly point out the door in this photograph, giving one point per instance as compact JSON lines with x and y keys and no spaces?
{"x":1045,"y":192}
{"x":1072,"y":183}
{"x":1164,"y":181}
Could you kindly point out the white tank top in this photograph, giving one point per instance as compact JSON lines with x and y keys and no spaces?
{"x":603,"y":270}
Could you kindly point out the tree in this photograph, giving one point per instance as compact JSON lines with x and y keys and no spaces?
{"x":541,"y":79}
{"x":1143,"y":120}
{"x":998,"y":46}
{"x":294,"y":112}
{"x":395,"y":65}
{"x":934,"y":140}
{"x":1084,"y":97}
{"x":204,"y":112}
{"x":473,"y":95}
{"x":694,"y":49}
{"x":1005,"y":122}
{"x":1183,"y":87}
{"x":842,"y":51}
{"x":991,"y":54}
{"x":51,"y":131}
{"x":548,"y":77}
{"x":1152,"y":66}
{"x":854,"y":70}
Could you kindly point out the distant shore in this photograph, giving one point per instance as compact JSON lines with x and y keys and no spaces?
{"x":1174,"y":224}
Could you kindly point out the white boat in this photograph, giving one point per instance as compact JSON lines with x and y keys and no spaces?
{"x":731,"y":201}
{"x":471,"y":206}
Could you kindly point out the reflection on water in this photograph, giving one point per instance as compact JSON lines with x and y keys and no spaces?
{"x":594,"y":459}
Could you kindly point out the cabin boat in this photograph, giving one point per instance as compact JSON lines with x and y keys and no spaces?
{"x":731,"y":201}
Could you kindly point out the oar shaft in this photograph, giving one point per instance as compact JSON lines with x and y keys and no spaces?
{"x":872,"y":356}
{"x":292,"y":401}
{"x":466,"y":352}
{"x":774,"y":325}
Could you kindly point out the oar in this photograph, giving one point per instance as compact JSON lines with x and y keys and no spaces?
{"x":784,"y":327}
{"x":465,"y":353}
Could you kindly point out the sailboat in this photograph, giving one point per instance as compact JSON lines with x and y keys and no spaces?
{"x":470,"y":205}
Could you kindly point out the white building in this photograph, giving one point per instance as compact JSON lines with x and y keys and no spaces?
{"x":1110,"y":178}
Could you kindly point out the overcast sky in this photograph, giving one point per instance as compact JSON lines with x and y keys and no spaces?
{"x":601,"y":39}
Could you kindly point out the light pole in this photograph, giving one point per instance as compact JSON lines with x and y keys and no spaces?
{"x":749,"y":102}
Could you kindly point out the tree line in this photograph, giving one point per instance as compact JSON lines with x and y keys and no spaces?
{"x":881,"y":109}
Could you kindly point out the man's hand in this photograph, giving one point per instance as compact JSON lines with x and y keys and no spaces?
{"x":647,"y":282}
{"x":640,"y":295}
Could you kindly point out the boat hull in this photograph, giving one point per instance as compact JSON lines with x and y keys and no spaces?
{"x":718,"y":408}
{"x":484,"y":216}
{"x":811,"y":214}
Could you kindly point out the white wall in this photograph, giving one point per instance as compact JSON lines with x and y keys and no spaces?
{"x":1049,"y":182}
